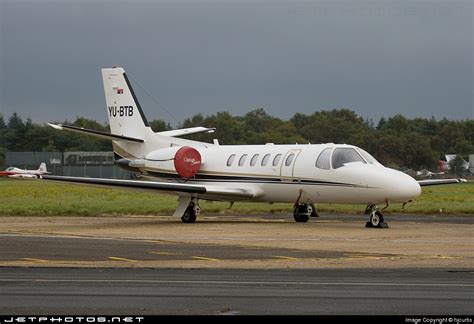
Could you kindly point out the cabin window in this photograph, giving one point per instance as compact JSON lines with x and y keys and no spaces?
{"x":324,"y":159}
{"x":230,"y":160}
{"x":344,"y":155}
{"x":265,"y":159}
{"x":289,"y":159}
{"x":254,"y":159}
{"x":242,"y":159}
{"x":276,"y":160}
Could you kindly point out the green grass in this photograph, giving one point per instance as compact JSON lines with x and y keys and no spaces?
{"x":42,"y":198}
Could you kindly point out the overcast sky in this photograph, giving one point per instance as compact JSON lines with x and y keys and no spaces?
{"x":378,"y":58}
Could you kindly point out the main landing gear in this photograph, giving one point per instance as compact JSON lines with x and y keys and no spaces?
{"x":375,"y":217}
{"x":191,"y":213}
{"x":188,"y":209}
{"x":303,"y":212}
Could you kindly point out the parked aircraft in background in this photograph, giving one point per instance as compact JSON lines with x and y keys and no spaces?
{"x":13,"y":172}
{"x":422,"y":174}
{"x":444,"y":166}
{"x":303,"y":175}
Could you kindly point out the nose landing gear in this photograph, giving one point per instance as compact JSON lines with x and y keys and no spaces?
{"x":376,"y":219}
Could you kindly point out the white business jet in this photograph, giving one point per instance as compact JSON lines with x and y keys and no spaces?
{"x":304,"y":175}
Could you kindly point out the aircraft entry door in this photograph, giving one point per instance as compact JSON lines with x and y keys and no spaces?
{"x":288,"y":165}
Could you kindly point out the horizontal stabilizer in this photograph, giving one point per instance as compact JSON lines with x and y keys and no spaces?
{"x":434,"y":182}
{"x":187,"y":131}
{"x":96,"y":133}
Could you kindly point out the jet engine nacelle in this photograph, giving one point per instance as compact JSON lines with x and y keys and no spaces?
{"x":185,"y":160}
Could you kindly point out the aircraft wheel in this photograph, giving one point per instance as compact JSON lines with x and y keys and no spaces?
{"x":189,"y":215}
{"x":301,"y":214}
{"x":301,"y":218}
{"x":376,"y":220}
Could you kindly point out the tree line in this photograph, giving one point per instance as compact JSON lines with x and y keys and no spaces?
{"x":397,"y":141}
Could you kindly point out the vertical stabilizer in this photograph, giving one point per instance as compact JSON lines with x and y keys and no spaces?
{"x":42,"y":168}
{"x":125,"y":114}
{"x":126,"y":118}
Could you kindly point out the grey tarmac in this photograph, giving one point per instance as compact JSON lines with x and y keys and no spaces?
{"x":235,"y":291}
{"x":244,"y":264}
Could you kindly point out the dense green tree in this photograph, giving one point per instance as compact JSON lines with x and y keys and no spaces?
{"x":3,"y":125}
{"x":159,"y":125}
{"x":333,"y":126}
{"x":396,"y":141}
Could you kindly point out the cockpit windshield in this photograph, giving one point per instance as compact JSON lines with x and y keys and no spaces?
{"x":345,"y":155}
{"x":369,"y":158}
{"x":10,"y":169}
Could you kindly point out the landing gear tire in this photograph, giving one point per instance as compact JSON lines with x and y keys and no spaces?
{"x":190,"y":214}
{"x":376,"y":219}
{"x":302,"y":212}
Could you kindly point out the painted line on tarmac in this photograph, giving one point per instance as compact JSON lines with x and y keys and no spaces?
{"x":122,"y":259}
{"x":283,"y":257}
{"x":204,"y":258}
{"x":164,"y":253}
{"x":35,"y":260}
{"x":224,"y":282}
{"x":448,"y":257}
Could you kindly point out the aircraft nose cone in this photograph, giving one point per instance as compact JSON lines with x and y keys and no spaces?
{"x":404,"y":187}
{"x":413,"y":189}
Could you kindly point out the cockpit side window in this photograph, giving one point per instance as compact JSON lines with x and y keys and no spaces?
{"x":345,"y":155}
{"x":324,"y":161}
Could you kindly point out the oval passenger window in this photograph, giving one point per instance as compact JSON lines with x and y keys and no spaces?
{"x":289,"y":159}
{"x":276,"y":159}
{"x":265,"y":159}
{"x":242,"y":159}
{"x":230,"y":160}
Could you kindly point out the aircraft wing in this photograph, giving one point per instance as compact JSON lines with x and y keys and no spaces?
{"x":216,"y":192}
{"x":434,"y":182}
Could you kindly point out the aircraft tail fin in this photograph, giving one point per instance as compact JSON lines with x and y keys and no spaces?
{"x":130,"y":132}
{"x":126,"y":117}
{"x":42,"y":168}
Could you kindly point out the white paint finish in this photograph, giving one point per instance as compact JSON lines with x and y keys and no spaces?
{"x":366,"y":182}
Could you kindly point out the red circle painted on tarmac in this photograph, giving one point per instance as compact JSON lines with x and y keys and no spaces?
{"x":187,"y":161}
